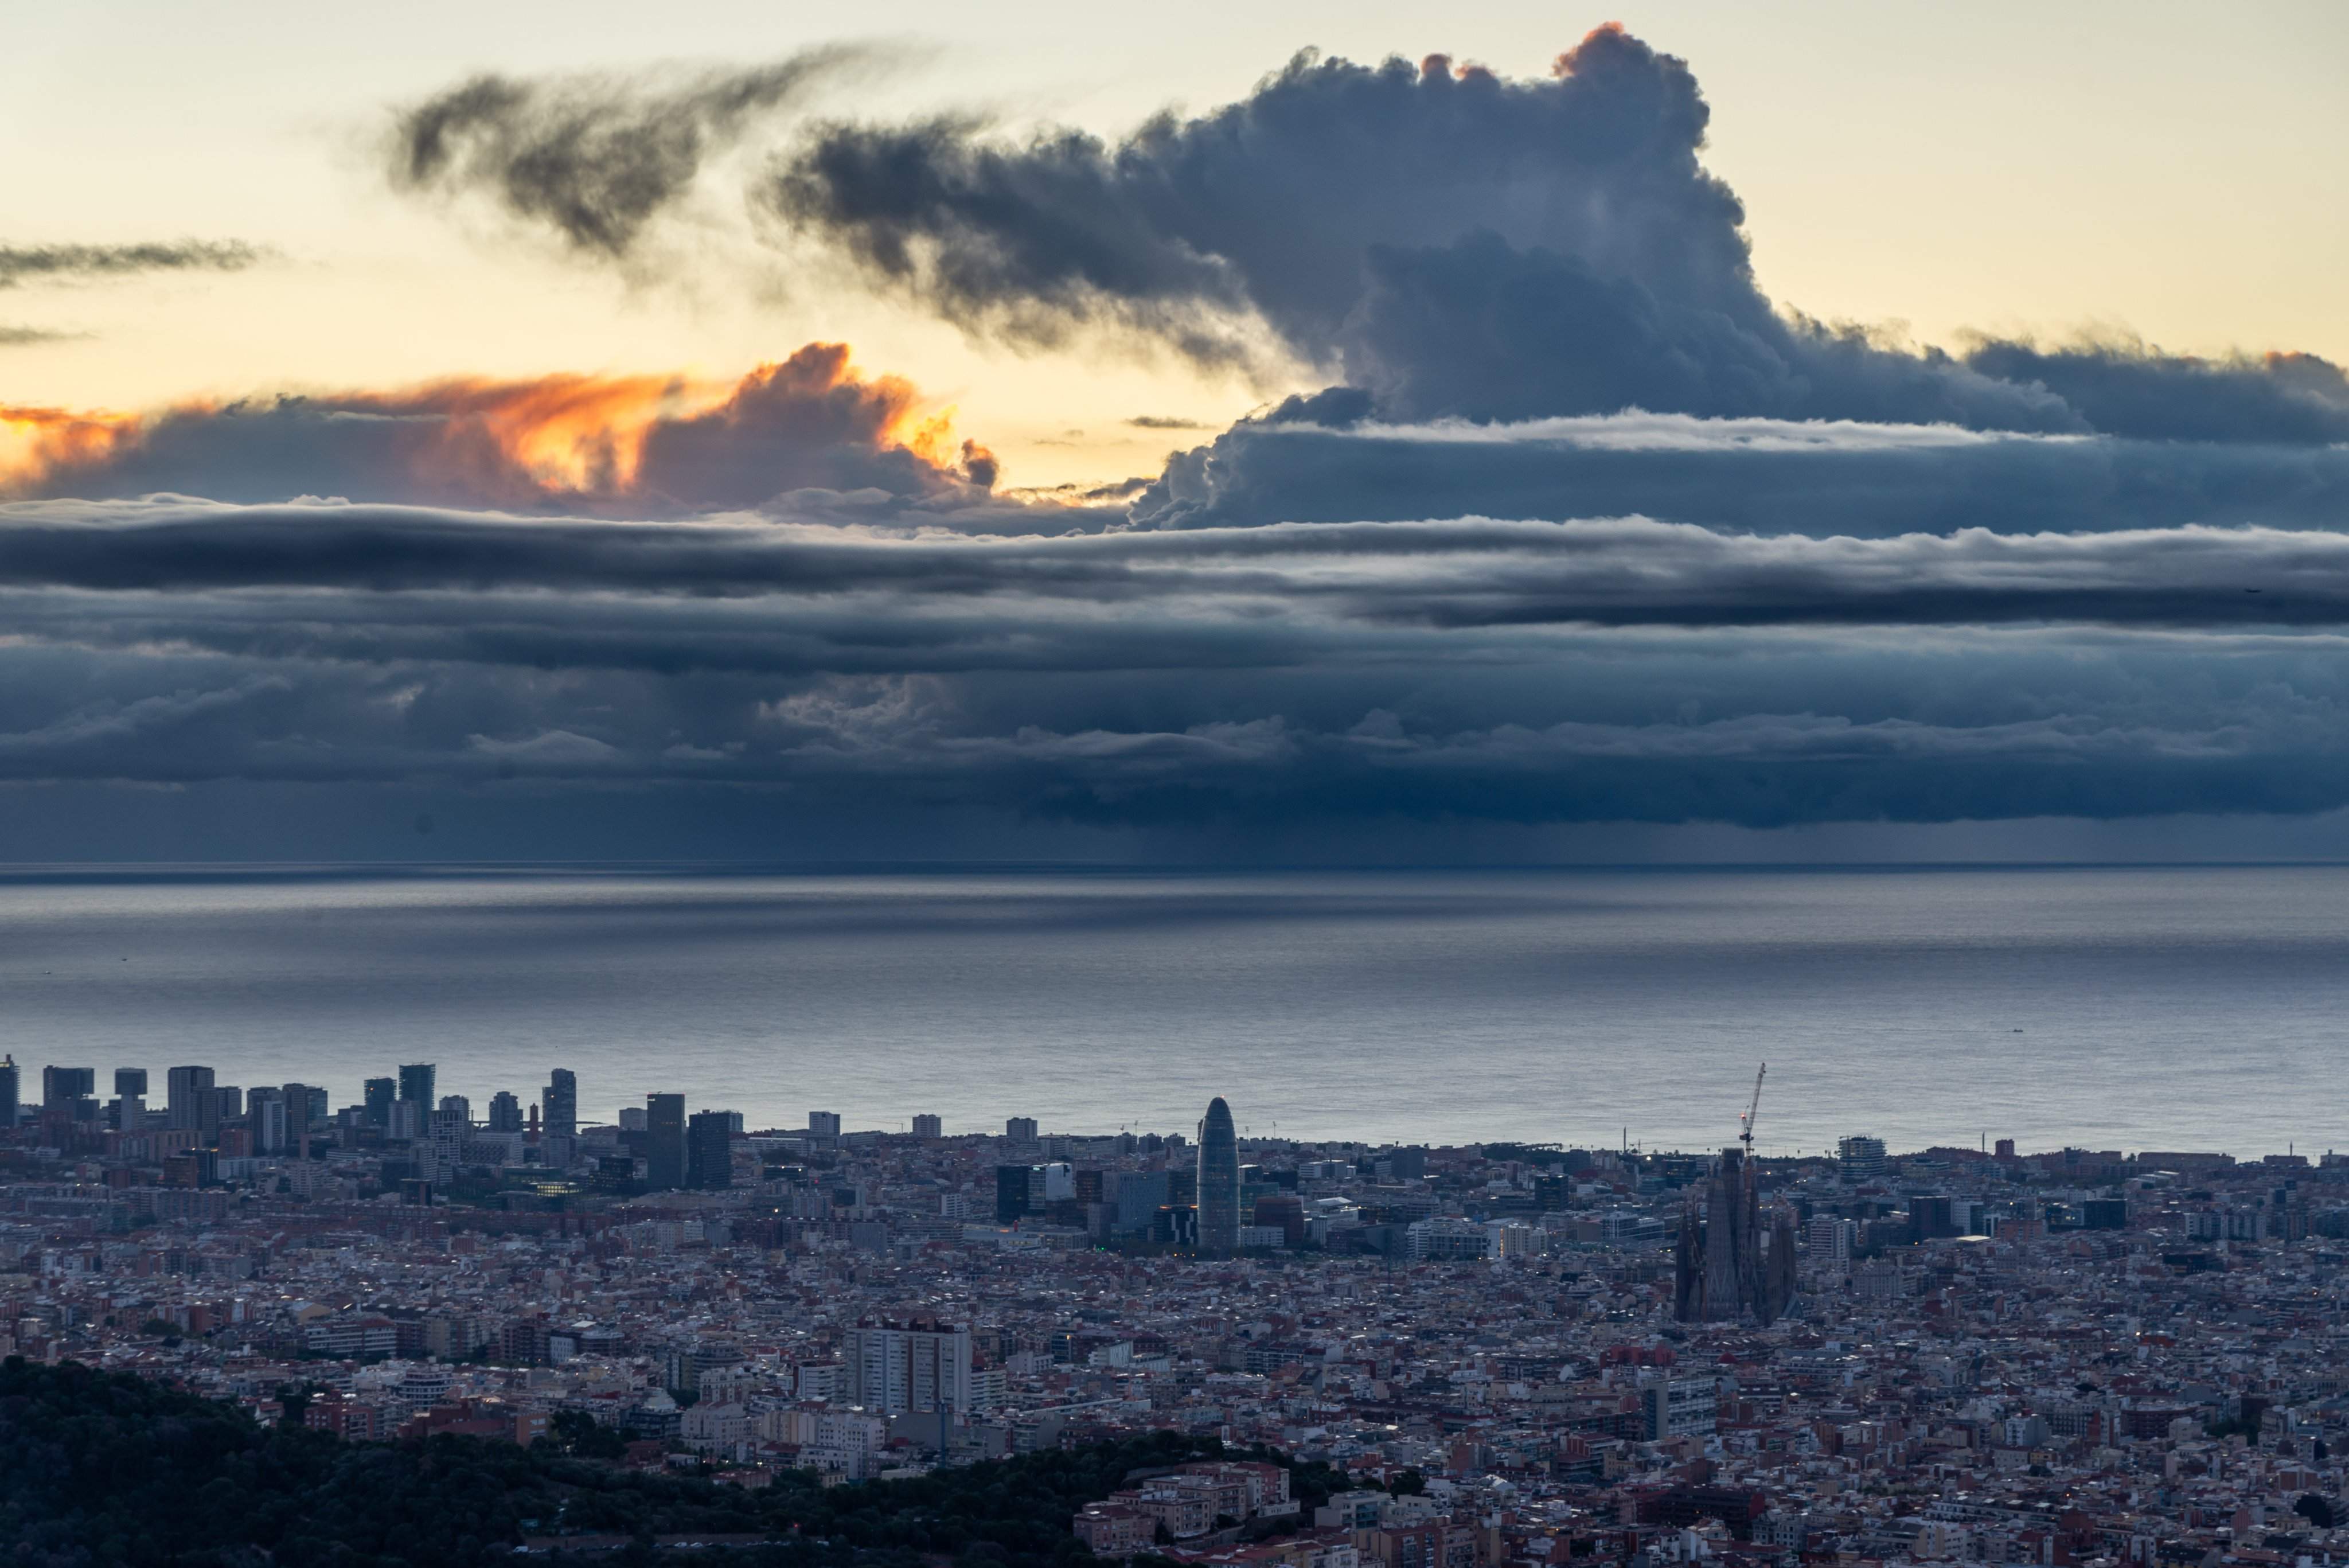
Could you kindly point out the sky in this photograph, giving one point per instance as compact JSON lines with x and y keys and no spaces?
{"x":1314,"y":433}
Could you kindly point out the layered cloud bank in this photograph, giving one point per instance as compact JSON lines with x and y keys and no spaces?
{"x":1585,"y":529}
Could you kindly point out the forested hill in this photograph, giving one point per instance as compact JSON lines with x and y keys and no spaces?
{"x":102,"y":1468}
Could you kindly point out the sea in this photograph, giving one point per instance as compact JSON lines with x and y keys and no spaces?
{"x":2133,"y":1008}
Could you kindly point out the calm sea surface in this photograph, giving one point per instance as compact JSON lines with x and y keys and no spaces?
{"x":2155,"y":1008}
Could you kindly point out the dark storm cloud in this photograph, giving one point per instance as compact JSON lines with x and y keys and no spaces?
{"x":1587,"y":531}
{"x":982,"y":659}
{"x":1482,"y":331}
{"x":1600,"y":731}
{"x":831,"y":579}
{"x":2126,"y":385}
{"x":1770,"y":476}
{"x":81,"y":263}
{"x":1449,"y":241}
{"x":597,"y":158}
{"x":1271,"y":203}
{"x":1458,"y":245}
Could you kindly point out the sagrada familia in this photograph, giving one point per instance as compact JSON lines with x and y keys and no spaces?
{"x":1724,"y":1271}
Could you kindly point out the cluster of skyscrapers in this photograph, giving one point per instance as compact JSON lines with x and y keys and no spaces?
{"x":203,"y":1117}
{"x":273,"y":1118}
{"x":1194,"y":1210}
{"x":662,"y":1145}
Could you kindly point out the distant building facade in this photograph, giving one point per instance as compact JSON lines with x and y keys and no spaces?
{"x":665,"y":1141}
{"x":900,"y":1366}
{"x":709,"y":1151}
{"x":560,"y":1117}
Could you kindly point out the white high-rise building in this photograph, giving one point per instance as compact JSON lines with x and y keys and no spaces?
{"x":1862,"y":1158}
{"x":1678,"y":1407}
{"x":899,"y":1367}
{"x":1829,"y":1242}
{"x":264,"y":1110}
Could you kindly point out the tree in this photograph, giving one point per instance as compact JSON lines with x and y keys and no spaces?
{"x":293,"y":1399}
{"x":108,"y":1470}
{"x":581,"y":1436}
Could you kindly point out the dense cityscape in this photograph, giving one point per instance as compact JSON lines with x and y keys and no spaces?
{"x":1513,"y":1354}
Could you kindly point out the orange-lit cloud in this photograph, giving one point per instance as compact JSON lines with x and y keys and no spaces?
{"x":569,"y":433}
{"x":674,"y":441}
{"x":33,"y":441}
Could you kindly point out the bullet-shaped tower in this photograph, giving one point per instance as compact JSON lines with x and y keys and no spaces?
{"x":1219,"y":1182}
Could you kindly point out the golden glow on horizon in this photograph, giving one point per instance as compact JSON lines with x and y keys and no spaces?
{"x":2013,"y":168}
{"x":570,"y":433}
{"x":566,"y":434}
{"x":36,"y":442}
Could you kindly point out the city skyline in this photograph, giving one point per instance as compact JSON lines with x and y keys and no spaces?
{"x":1504,"y":1348}
{"x":1983,"y":1357}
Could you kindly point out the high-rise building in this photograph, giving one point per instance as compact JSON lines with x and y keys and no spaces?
{"x":1023,"y":1190}
{"x":440,"y":1148}
{"x":709,"y":1150}
{"x":1011,"y":1193}
{"x":1219,"y":1182}
{"x":903,"y":1366}
{"x":61,"y":1087}
{"x":305,"y":1106}
{"x":928,"y":1126}
{"x":1933,"y":1216}
{"x":1139,"y":1194}
{"x":190,"y":1104}
{"x":381,"y":1094}
{"x":231,"y":1100}
{"x":9,"y":1093}
{"x":265,"y":1110}
{"x":130,"y":1081}
{"x":665,"y":1141}
{"x":1284,"y":1212}
{"x":416,"y":1084}
{"x":1021,"y":1129}
{"x":562,"y":1118}
{"x":824,"y":1124}
{"x":505,"y":1112}
{"x":1862,"y":1158}
{"x":459,"y":1107}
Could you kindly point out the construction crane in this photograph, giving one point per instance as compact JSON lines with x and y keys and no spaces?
{"x":1751,"y":1111}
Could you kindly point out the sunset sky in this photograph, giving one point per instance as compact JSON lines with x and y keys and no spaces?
{"x":1049,"y":430}
{"x":2174,"y":170}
